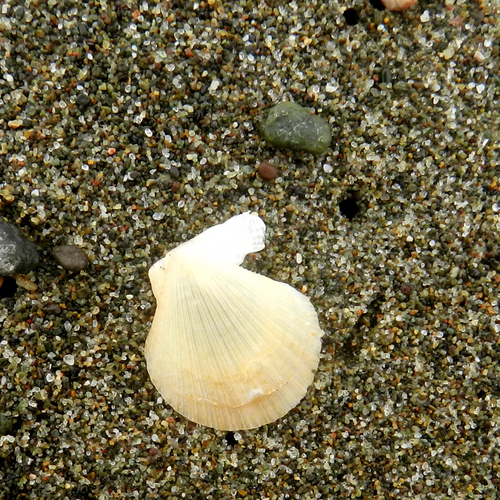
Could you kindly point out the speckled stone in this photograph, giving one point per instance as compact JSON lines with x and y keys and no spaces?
{"x":290,"y":126}
{"x":18,"y":255}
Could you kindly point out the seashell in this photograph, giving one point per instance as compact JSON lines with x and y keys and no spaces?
{"x":229,"y":348}
{"x":398,"y":5}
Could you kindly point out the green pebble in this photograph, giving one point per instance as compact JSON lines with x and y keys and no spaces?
{"x":290,"y":126}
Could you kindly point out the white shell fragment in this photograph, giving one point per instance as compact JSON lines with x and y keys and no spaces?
{"x":229,"y":348}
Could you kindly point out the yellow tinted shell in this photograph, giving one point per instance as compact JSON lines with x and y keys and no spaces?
{"x":229,"y":348}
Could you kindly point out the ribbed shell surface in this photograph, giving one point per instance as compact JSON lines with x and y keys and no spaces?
{"x":228,"y":348}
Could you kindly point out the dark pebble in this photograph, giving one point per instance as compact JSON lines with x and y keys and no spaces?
{"x":386,"y":76}
{"x":83,"y":30}
{"x":267,"y":171}
{"x":82,"y":99}
{"x":19,"y":12}
{"x":17,"y":254}
{"x":70,"y":257}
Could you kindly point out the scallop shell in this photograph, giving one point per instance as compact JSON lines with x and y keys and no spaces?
{"x":229,"y":348}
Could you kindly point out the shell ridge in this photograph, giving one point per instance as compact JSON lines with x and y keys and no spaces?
{"x":223,"y":375}
{"x":276,"y":371}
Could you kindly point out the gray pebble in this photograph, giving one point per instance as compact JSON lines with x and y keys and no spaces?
{"x":70,"y":257}
{"x":17,"y":254}
{"x":290,"y":126}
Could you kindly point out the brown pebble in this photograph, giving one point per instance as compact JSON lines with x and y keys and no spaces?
{"x":70,"y":257}
{"x":175,"y":186}
{"x":406,"y":289}
{"x":267,"y":171}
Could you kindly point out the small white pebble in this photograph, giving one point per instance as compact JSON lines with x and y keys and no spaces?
{"x":69,"y":359}
{"x":425,"y":16}
{"x":480,"y":88}
{"x":327,"y":168}
{"x":298,"y":258}
{"x":449,"y":52}
{"x":214,"y":86}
